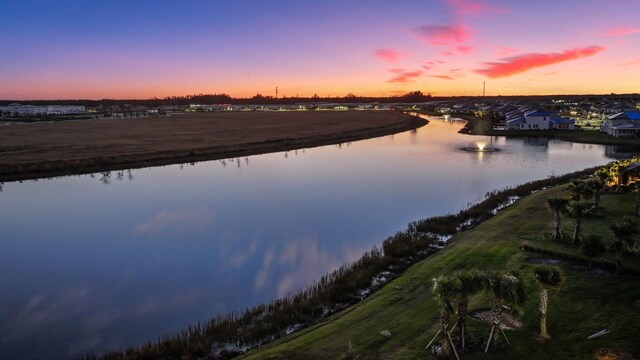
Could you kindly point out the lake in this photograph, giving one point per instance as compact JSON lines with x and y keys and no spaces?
{"x":98,"y":262}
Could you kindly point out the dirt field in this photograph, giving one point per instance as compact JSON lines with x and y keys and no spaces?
{"x":40,"y":150}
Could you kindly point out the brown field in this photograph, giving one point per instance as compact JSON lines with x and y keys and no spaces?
{"x":40,"y":150}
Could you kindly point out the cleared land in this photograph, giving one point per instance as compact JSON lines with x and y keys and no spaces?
{"x":39,"y":150}
{"x":588,"y":302}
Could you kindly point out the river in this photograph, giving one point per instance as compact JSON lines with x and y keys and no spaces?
{"x":105,"y":261}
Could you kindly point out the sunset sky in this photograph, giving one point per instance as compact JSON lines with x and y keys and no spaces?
{"x":142,"y":49}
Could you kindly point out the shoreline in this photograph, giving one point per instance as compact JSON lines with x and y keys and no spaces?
{"x":313,"y":306}
{"x":77,"y":166}
{"x":477,"y":126}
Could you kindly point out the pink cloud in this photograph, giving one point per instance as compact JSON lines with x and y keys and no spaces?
{"x":389,"y":55}
{"x":472,"y":7}
{"x":465,"y":50}
{"x":451,"y":35}
{"x":521,"y":63}
{"x":621,"y":31}
{"x":403,"y":76}
{"x":446,"y":77}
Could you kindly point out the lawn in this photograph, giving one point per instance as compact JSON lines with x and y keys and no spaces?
{"x":587,"y":303}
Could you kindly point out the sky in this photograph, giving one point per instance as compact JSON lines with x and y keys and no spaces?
{"x":139,"y":49}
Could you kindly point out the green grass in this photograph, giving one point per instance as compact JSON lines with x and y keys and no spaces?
{"x":586,"y":303}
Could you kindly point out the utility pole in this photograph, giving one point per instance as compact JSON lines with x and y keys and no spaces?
{"x":276,"y":92}
{"x":484,"y":83}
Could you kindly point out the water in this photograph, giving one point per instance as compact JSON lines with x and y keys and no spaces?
{"x":86,"y":266}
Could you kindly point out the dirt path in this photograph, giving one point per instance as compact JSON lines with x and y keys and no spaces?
{"x":43,"y":150}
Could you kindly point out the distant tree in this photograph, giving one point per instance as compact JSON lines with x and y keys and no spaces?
{"x":557,"y":205}
{"x":548,"y":278}
{"x":592,"y":247}
{"x":624,"y":232}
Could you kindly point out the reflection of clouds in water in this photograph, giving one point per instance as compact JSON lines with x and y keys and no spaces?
{"x":263,"y":274}
{"x":79,"y":310}
{"x":299,"y":264}
{"x":42,"y":310}
{"x":241,"y":259}
{"x":302,"y":263}
{"x":154,"y":304}
{"x":197,"y":218}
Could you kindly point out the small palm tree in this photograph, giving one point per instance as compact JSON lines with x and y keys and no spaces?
{"x":508,"y":290}
{"x":624,"y":232}
{"x":557,"y":205}
{"x":592,"y":247}
{"x":596,"y":185}
{"x":548,"y":278}
{"x":466,"y":283}
{"x":578,"y":210}
{"x":579,"y":190}
{"x":444,"y":290}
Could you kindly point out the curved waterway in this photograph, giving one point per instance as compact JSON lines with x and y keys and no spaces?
{"x":89,"y":263}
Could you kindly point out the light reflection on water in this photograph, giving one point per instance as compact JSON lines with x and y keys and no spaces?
{"x":120,"y":258}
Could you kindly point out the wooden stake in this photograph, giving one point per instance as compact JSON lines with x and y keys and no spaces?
{"x":434,"y":339}
{"x":489,"y":342}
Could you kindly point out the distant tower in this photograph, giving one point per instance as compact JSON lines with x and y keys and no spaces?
{"x":276,"y":92}
{"x":483,"y":88}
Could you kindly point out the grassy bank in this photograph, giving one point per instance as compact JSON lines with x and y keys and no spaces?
{"x":481,"y":126}
{"x":45,"y":150}
{"x":588,"y":302}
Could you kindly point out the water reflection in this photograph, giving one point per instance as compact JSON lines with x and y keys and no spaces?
{"x":85,"y":267}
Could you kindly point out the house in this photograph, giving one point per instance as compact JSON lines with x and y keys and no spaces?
{"x":557,"y":122}
{"x":626,"y":123}
{"x":532,"y":119}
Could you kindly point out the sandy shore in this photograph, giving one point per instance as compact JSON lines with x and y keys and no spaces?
{"x":53,"y":149}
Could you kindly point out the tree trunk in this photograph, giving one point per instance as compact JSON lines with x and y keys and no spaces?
{"x":577,"y":234}
{"x":544,"y":299}
{"x":444,"y":331}
{"x":596,"y":200}
{"x":463,"y":305}
{"x":556,"y":235}
{"x":618,"y":261}
{"x":496,"y":320}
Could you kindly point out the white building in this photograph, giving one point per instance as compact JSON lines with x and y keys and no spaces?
{"x":536,"y":119}
{"x":16,"y":109}
{"x":625,"y":123}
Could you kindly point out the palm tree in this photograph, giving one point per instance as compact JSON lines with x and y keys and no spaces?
{"x":508,"y":290}
{"x":578,"y":210}
{"x":624,"y":232}
{"x":466,"y":283}
{"x":596,"y":185}
{"x":592,"y":246}
{"x":579,"y":190}
{"x":443,"y":290}
{"x":548,"y":278}
{"x":557,"y":205}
